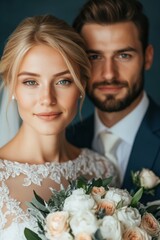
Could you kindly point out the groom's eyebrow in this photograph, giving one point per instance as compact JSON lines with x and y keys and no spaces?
{"x":93,"y":51}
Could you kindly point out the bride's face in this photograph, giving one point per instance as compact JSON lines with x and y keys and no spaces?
{"x":46,"y":93}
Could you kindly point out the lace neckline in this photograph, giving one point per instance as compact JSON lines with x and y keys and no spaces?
{"x":47,"y":164}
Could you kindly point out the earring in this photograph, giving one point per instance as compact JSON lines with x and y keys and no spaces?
{"x":81,"y":96}
{"x":13,"y":97}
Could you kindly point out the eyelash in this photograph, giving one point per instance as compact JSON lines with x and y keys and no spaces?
{"x":94,"y":57}
{"x":64,"y":82}
{"x":28,"y":83}
{"x":124,"y":57}
{"x":33,"y":83}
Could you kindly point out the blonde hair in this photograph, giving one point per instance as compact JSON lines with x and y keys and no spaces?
{"x":52,"y":32}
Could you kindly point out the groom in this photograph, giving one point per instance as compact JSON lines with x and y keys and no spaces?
{"x":116,"y":34}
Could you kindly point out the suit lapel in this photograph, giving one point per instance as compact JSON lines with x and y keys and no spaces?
{"x":146,"y":146}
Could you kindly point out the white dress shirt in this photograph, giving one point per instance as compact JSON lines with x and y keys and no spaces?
{"x":126,"y":129}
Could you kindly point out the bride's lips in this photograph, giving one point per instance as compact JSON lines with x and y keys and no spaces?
{"x":48,"y":116}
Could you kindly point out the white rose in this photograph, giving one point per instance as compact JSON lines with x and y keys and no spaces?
{"x":148,"y":179}
{"x":118,"y":195}
{"x":129,"y":217}
{"x":110,"y":228}
{"x":78,"y":201}
{"x":85,"y":222}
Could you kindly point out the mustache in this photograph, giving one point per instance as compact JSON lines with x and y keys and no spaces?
{"x":110,"y":83}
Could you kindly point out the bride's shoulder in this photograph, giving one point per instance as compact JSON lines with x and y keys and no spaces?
{"x":8,"y":152}
{"x":3,"y":153}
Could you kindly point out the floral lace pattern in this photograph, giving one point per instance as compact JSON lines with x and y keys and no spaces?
{"x":87,"y":163}
{"x":12,"y":207}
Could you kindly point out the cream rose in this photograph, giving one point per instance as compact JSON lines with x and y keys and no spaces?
{"x":108,"y":206}
{"x":150,"y":224}
{"x":56,"y":224}
{"x":118,"y":195}
{"x":78,"y":201}
{"x":148,"y":179}
{"x":129,"y":217}
{"x":83,"y":222}
{"x":110,"y":228}
{"x":135,"y":233}
{"x":98,"y":192}
{"x":83,"y":236}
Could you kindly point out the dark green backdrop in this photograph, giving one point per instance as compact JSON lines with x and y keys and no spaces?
{"x":13,"y":11}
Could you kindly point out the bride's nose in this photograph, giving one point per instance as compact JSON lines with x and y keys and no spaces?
{"x":48,"y":96}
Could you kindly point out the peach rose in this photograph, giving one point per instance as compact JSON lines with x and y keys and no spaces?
{"x":83,"y":236}
{"x":98,"y":192}
{"x":150,"y":224}
{"x":135,"y":233}
{"x":108,"y":206}
{"x":56,"y":224}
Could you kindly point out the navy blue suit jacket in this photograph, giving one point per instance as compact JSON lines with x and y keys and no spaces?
{"x":146,"y":148}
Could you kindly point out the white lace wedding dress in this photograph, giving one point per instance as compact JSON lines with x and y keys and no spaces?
{"x":18,"y":180}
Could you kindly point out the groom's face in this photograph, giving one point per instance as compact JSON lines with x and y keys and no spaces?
{"x":118,"y":63}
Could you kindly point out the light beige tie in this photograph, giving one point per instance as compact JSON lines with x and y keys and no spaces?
{"x":110,"y":143}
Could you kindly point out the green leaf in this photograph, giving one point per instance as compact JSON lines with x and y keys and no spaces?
{"x":38,"y":198}
{"x":137,"y":196}
{"x":106,"y":181}
{"x":81,"y":182}
{"x":30,"y":235}
{"x":39,"y":206}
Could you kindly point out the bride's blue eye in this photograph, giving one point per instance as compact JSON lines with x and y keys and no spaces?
{"x":64,"y":82}
{"x":30,"y":83}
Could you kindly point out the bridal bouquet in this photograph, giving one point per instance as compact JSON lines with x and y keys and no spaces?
{"x":91,"y":210}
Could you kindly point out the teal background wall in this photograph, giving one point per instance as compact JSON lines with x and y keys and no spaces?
{"x":13,"y":11}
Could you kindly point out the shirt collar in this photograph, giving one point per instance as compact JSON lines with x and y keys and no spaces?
{"x":129,"y":124}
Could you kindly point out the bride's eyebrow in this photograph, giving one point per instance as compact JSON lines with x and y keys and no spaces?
{"x":38,"y":75}
{"x":28,"y":74}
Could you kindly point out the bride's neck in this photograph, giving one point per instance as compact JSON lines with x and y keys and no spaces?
{"x":30,"y":147}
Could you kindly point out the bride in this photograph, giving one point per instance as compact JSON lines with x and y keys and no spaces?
{"x":45,"y":68}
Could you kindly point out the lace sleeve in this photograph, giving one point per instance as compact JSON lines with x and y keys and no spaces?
{"x":103,"y":168}
{"x":10,"y":210}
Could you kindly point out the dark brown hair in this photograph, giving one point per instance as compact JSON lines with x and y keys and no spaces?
{"x":114,"y":11}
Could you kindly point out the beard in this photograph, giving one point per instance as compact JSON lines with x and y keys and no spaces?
{"x":111,"y":104}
